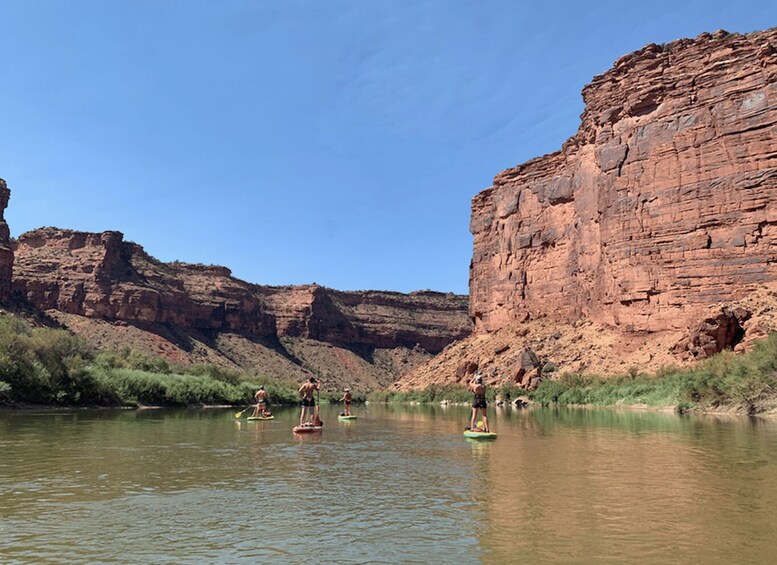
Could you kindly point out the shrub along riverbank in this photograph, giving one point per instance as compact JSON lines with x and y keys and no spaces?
{"x":45,"y":366}
{"x":727,"y":381}
{"x":746,"y":383}
{"x":456,"y":394}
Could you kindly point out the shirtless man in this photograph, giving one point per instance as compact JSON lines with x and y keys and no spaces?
{"x":478,"y":403}
{"x":308,"y":402}
{"x":261,"y":402}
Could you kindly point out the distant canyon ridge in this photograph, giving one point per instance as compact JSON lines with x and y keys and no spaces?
{"x":114,"y":294}
{"x":649,"y":239}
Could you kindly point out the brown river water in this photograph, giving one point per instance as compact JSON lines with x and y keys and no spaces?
{"x":398,"y":485}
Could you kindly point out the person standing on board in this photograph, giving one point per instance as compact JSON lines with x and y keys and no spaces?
{"x":347,"y":397}
{"x":478,"y":403}
{"x":261,"y":402}
{"x":308,"y":402}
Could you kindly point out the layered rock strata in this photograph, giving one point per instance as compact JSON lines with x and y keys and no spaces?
{"x":6,"y":251}
{"x":649,"y":239}
{"x":663,"y":203}
{"x":114,"y":293}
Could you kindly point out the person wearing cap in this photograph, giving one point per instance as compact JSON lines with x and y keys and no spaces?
{"x":308,"y":402}
{"x":261,"y":403}
{"x":478,"y":403}
{"x":347,"y":397}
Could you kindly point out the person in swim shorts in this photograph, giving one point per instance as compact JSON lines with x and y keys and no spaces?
{"x":478,"y":403}
{"x":347,"y":397}
{"x":308,"y":402}
{"x":262,"y":403}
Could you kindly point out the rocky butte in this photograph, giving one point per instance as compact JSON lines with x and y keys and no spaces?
{"x":113,"y":293}
{"x":6,"y":252}
{"x":650,"y":237}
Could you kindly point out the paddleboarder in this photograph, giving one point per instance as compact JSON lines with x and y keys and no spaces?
{"x":262,"y":403}
{"x":308,"y":402}
{"x":478,"y":403}
{"x":347,"y":397}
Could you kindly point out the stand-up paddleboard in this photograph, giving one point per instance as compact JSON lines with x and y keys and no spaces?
{"x":306,"y":429}
{"x":474,"y":434}
{"x":261,"y":417}
{"x":345,"y":418}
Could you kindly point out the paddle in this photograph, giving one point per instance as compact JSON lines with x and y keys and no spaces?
{"x":243,"y":410}
{"x":318,"y":421}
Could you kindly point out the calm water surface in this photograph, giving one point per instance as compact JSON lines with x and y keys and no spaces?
{"x":399,"y":485}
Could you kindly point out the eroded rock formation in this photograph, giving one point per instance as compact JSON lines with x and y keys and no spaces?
{"x":649,"y":239}
{"x":6,"y":252}
{"x":664,"y":202}
{"x":114,"y":293}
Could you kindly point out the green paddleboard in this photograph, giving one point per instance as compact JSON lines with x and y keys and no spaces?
{"x":351,"y":417}
{"x":261,"y":417}
{"x":479,"y":435}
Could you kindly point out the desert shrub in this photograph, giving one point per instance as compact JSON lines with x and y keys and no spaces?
{"x":215,"y":372}
{"x":5,"y":391}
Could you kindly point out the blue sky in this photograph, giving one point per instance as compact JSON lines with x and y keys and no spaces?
{"x":295,"y":142}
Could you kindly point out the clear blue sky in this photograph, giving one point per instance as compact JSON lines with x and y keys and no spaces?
{"x":295,"y":142}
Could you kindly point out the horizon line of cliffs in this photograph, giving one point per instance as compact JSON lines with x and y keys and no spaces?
{"x":101,"y":276}
{"x":662,"y":204}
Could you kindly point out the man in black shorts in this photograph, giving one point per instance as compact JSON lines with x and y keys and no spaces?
{"x":308,"y":402}
{"x":478,"y":403}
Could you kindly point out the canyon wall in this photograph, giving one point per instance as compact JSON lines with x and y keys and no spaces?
{"x":103,"y":276}
{"x":663,"y":203}
{"x":6,"y":251}
{"x":648,"y":240}
{"x":114,"y":293}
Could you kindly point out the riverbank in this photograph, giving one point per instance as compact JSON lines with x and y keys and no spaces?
{"x":725,"y":383}
{"x":52,"y":367}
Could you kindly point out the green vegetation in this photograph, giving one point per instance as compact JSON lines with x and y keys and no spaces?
{"x":727,"y":381}
{"x":53,"y":367}
{"x":437,"y":393}
{"x":741,"y":382}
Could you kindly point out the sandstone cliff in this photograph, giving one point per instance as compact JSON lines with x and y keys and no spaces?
{"x":114,"y":293}
{"x":6,"y":253}
{"x":655,"y":216}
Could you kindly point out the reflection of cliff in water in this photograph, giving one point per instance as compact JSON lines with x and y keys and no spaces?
{"x":583,"y":485}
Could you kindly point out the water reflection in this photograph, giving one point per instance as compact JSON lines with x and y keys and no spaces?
{"x":400,"y":484}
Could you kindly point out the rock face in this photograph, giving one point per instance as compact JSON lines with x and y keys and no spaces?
{"x":202,"y":313}
{"x":102,"y":276}
{"x":425,"y":319}
{"x":649,"y":239}
{"x":6,"y":253}
{"x":663,"y":203}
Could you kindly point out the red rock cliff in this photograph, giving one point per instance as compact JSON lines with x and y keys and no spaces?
{"x":101,"y":276}
{"x":6,"y":252}
{"x":664,"y":202}
{"x":427,"y":319}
